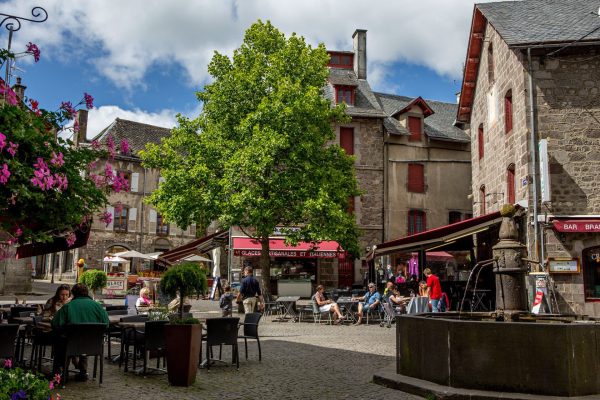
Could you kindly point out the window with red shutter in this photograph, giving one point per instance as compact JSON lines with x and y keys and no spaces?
{"x":415,"y":128}
{"x":344,"y":94}
{"x":416,"y":178}
{"x":347,"y":140}
{"x":480,"y":140}
{"x":416,"y":221}
{"x":508,"y":112}
{"x":510,"y":183}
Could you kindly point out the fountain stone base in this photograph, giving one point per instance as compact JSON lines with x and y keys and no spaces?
{"x":554,"y":359}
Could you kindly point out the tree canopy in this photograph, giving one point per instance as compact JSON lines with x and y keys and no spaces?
{"x":262,"y":152}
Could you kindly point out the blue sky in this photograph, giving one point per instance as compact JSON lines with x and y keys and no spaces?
{"x":144,"y":60}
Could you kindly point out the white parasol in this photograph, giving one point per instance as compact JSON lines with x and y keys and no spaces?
{"x":154,"y":255}
{"x":195,"y":257}
{"x":133,"y":254}
{"x":114,"y":259}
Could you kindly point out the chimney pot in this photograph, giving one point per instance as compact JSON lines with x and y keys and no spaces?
{"x":82,"y":120}
{"x":360,"y":53}
{"x":19,"y":89}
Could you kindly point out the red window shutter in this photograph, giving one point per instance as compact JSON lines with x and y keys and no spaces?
{"x":508,"y":113}
{"x":480,"y":141}
{"x":510,"y":184}
{"x":416,"y":178}
{"x":350,"y":209}
{"x":414,"y":127}
{"x":347,"y":140}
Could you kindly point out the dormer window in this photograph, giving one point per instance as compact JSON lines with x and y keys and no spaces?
{"x":415,"y":129}
{"x":341,"y":60}
{"x":344,"y":94}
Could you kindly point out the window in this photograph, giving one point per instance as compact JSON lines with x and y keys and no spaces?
{"x":344,"y":94}
{"x":162,"y":227}
{"x":416,"y":178}
{"x":482,"y":199}
{"x":454,"y":216}
{"x":347,"y":140}
{"x":416,"y":221}
{"x":490,"y":60}
{"x":480,"y":140}
{"x":120,"y":219}
{"x":415,"y":128}
{"x":591,"y":273}
{"x":508,"y":112}
{"x":341,"y":60}
{"x":510,"y":183}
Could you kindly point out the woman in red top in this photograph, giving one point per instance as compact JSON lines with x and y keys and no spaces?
{"x":434,"y":290}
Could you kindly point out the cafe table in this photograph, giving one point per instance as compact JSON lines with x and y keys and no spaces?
{"x":288,"y":304}
{"x":346,"y":303}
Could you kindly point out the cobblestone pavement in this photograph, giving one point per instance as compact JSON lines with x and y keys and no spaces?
{"x":300,"y":361}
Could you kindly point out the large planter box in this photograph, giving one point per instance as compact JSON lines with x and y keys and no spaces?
{"x":183,"y":353}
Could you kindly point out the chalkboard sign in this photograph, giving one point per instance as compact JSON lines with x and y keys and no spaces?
{"x":563,"y":266}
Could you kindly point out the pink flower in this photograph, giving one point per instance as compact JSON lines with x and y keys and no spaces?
{"x":108,"y":172}
{"x":57,"y":159}
{"x":4,"y":174}
{"x":33,"y":49}
{"x":2,"y":141}
{"x":68,"y":107}
{"x":9,"y":95}
{"x":42,"y":177}
{"x":98,"y":180}
{"x":71,"y":241}
{"x":8,"y":363}
{"x":61,"y":182}
{"x":12,"y":148}
{"x":76,"y":126}
{"x":96,"y":145}
{"x":52,"y":383}
{"x":106,"y":217}
{"x":120,"y":183}
{"x":110,"y":144}
{"x":18,"y":232}
{"x":89,"y":100}
{"x":57,"y":378}
{"x":124,"y":146}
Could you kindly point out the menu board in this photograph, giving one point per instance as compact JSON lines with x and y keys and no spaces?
{"x":565,"y":266}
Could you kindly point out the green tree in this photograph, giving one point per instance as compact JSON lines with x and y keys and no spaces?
{"x":261,"y":153}
{"x":94,"y":279}
{"x":184,"y":280}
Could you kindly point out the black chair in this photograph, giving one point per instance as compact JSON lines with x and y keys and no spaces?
{"x":271,"y":306}
{"x":113,"y":332}
{"x":251,"y":332}
{"x":8,"y":340}
{"x":20,"y":311}
{"x":83,"y":340}
{"x":40,"y":339}
{"x":219,"y":332}
{"x":114,"y":308}
{"x":152,"y":338}
{"x":128,"y":338}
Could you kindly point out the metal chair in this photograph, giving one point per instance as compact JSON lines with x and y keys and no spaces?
{"x":40,"y":339}
{"x":219,"y":332}
{"x":83,"y":340}
{"x":8,"y":340}
{"x":127,"y":337}
{"x":251,"y":332}
{"x":152,"y":338}
{"x":271,"y":305}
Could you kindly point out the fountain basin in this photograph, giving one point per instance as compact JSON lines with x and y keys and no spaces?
{"x":546,"y":358}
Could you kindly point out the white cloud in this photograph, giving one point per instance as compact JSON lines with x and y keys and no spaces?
{"x":122,"y":39}
{"x":100,"y":118}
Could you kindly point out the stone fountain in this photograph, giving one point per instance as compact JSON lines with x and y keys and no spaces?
{"x":477,"y":355}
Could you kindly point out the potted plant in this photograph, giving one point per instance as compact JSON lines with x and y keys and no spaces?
{"x":94,"y":279}
{"x":183,"y":335}
{"x":16,"y":383}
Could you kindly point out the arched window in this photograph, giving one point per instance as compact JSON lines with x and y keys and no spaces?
{"x":508,"y":112}
{"x":490,"y":60}
{"x":482,"y":199}
{"x":480,"y":140}
{"x":510,"y":183}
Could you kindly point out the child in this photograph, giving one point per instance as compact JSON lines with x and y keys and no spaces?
{"x":226,"y":301}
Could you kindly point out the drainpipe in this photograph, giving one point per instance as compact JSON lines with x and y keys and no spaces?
{"x":533,"y":151}
{"x":142,"y":212}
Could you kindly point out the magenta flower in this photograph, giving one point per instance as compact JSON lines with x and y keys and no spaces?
{"x":18,"y":232}
{"x":51,"y":385}
{"x":33,"y":49}
{"x":2,"y":141}
{"x":96,"y":145}
{"x":108,"y":172}
{"x":57,"y":160}
{"x":8,"y":363}
{"x":70,"y":241}
{"x":12,"y":148}
{"x":42,"y":177}
{"x":89,"y":101}
{"x":110,"y":144}
{"x":4,"y":174}
{"x":68,"y":107}
{"x":76,"y":126}
{"x":9,"y":95}
{"x":120,"y":183}
{"x":57,"y":378}
{"x":98,"y":180}
{"x":61,"y":182}
{"x":124,"y":147}
{"x":106,"y":217}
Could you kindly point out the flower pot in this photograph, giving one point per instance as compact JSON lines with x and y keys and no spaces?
{"x":183,"y":352}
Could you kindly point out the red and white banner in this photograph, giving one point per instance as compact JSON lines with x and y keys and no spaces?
{"x":577,"y":225}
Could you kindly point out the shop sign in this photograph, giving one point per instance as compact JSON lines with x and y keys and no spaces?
{"x":288,"y":253}
{"x":115,"y":286}
{"x":565,"y":266}
{"x":577,"y":225}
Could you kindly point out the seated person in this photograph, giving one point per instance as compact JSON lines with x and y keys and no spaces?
{"x":174,"y":304}
{"x":80,"y":310}
{"x":370,"y":301}
{"x":423,"y":289}
{"x":328,"y":305}
{"x":60,"y":298}
{"x":143,"y":302}
{"x":388,"y":291}
{"x":398,"y":301}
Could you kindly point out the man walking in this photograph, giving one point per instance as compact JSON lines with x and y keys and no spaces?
{"x":434,"y":290}
{"x":250,"y":292}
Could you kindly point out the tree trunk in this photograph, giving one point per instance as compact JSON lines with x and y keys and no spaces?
{"x":265,"y":265}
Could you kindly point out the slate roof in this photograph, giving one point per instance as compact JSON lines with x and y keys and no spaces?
{"x":365,"y":102}
{"x":136,"y":133}
{"x":438,"y":126}
{"x":543,"y":21}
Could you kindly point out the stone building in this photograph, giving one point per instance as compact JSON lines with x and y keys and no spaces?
{"x":135,"y":225}
{"x":529,"y":102}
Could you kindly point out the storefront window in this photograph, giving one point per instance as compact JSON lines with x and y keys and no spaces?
{"x":591,"y":273}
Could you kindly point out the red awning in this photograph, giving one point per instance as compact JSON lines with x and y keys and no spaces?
{"x":197,"y":246}
{"x":248,"y":247}
{"x":55,"y":246}
{"x":576,"y":225}
{"x":435,"y":238}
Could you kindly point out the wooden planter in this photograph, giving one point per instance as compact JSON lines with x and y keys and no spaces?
{"x":183,"y":352}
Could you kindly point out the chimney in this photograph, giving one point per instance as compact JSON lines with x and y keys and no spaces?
{"x":360,"y":53}
{"x":19,"y":89}
{"x":81,"y":120}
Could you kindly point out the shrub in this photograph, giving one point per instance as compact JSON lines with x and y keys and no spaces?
{"x":94,"y":279}
{"x":186,"y":280}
